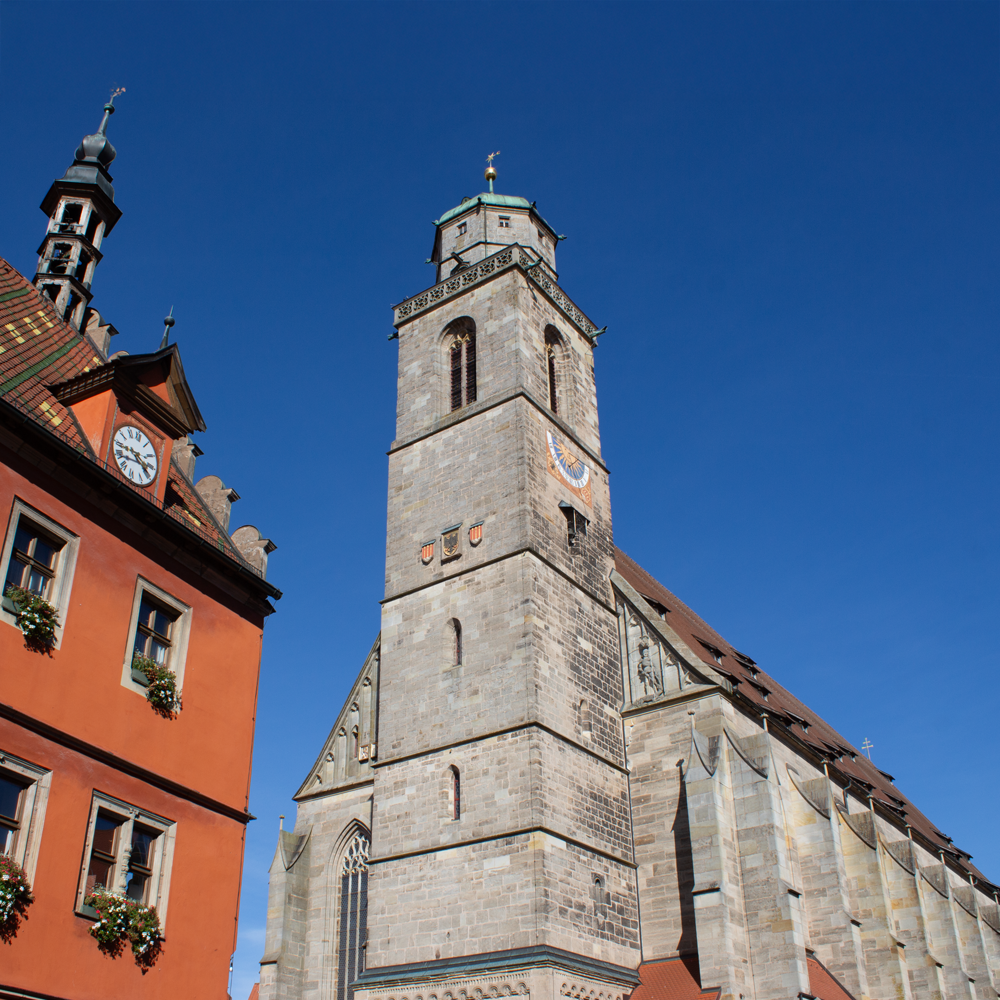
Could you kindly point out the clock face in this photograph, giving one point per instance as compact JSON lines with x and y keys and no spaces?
{"x":135,"y":455}
{"x":570,"y":467}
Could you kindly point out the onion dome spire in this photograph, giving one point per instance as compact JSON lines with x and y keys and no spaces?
{"x":82,"y":211}
{"x":96,"y":146}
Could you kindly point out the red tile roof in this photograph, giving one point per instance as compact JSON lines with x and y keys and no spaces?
{"x":673,"y":979}
{"x":39,"y":350}
{"x":822,"y":984}
{"x":765,"y":694}
{"x":255,"y":992}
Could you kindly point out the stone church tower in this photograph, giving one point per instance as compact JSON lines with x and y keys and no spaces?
{"x":551,"y":777}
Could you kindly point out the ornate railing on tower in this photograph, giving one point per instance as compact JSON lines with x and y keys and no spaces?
{"x":536,"y":270}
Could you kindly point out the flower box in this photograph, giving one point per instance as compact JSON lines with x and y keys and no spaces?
{"x":139,"y":677}
{"x":9,"y":605}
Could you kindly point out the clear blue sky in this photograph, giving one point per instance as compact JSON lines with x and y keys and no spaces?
{"x":786,"y":214}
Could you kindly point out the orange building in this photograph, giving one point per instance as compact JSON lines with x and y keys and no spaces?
{"x":105,"y":778}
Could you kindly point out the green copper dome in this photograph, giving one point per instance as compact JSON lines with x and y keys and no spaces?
{"x":486,"y":198}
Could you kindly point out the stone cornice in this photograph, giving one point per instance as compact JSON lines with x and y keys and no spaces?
{"x":514,"y":256}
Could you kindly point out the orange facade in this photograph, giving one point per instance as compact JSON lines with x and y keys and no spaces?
{"x":96,"y":787}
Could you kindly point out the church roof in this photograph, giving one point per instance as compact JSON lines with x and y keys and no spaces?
{"x":753,"y":685}
{"x":672,"y":979}
{"x":486,"y":198}
{"x":38,"y":351}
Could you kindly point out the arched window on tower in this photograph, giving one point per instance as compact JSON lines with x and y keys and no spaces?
{"x":353,"y":930}
{"x":456,"y":793}
{"x":453,"y":642}
{"x":553,"y":366}
{"x":461,"y":343}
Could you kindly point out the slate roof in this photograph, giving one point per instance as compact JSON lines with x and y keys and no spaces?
{"x":764,"y":693}
{"x":39,"y":350}
{"x":673,"y":979}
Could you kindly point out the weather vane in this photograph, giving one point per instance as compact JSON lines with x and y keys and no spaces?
{"x":868,"y":746}
{"x":115,"y":93}
{"x":491,"y":171}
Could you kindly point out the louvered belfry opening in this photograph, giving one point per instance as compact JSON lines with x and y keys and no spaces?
{"x":462,"y":359}
{"x":353,"y":936}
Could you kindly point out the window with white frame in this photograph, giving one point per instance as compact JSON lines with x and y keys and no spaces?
{"x":24,"y":794}
{"x":158,"y":629}
{"x":503,"y":221}
{"x":128,"y":851}
{"x":38,"y":555}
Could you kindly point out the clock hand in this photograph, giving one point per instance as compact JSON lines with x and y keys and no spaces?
{"x":139,"y":459}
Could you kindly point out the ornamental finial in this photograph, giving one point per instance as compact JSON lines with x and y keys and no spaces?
{"x":168,"y":322}
{"x":491,"y":171}
{"x":109,"y":110}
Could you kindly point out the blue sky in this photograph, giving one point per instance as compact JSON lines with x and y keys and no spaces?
{"x":786,"y":214}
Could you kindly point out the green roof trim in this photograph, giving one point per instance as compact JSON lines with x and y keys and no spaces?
{"x":486,"y":198}
{"x":15,"y":294}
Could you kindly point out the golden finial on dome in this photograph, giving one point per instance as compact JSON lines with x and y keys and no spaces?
{"x":491,"y":171}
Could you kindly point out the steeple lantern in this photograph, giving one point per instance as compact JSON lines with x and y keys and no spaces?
{"x":82,"y":211}
{"x":481,"y":226}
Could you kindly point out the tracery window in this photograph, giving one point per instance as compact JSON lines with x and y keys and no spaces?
{"x":353,"y":937}
{"x":462,"y":363}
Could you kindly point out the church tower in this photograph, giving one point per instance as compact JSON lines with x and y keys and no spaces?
{"x":501,"y":856}
{"x":82,"y":211}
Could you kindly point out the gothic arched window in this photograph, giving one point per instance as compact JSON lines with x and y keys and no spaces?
{"x":461,"y":341}
{"x":554,"y":365}
{"x":353,"y":935}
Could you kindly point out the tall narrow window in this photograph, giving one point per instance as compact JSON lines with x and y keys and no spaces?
{"x":462,"y":363}
{"x":453,"y":643}
{"x":553,"y":356}
{"x":353,"y":932}
{"x":456,"y":793}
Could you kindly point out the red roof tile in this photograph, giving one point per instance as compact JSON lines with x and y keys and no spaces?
{"x":822,"y":984}
{"x":672,"y":979}
{"x":38,"y":350}
{"x":255,"y":992}
{"x":751,"y":682}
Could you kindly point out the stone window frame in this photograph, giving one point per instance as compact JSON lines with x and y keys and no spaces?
{"x":348,"y":955}
{"x":31,"y":809}
{"x":65,"y":570}
{"x":162,"y":865}
{"x":461,"y":328}
{"x":179,"y":638}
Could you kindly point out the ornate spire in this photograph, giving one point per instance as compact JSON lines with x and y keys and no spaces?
{"x":82,"y":211}
{"x":96,"y":147}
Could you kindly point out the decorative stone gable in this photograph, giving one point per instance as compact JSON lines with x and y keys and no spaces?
{"x":352,"y":745}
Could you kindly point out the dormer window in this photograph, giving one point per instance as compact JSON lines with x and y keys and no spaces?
{"x":462,"y":228}
{"x":503,"y":221}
